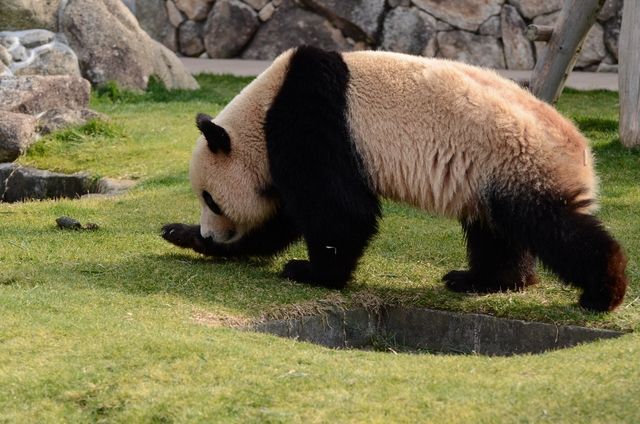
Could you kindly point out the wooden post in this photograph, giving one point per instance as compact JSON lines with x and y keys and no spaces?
{"x":538,"y":32}
{"x":558,"y":57}
{"x":629,"y":74}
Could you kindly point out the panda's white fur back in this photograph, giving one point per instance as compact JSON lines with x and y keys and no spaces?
{"x":434,"y":132}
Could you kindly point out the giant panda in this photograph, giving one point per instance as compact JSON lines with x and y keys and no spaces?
{"x":307,"y":149}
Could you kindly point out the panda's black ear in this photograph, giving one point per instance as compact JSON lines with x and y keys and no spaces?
{"x":217,"y":137}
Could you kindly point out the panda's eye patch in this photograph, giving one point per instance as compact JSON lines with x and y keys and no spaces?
{"x":211,"y":203}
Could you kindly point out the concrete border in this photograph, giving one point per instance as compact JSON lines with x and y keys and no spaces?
{"x":432,"y":330}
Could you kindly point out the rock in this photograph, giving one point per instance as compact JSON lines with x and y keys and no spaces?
{"x":196,"y":10}
{"x":358,"y":19}
{"x":257,"y":4}
{"x":68,"y":223}
{"x":409,"y":30}
{"x":17,"y":132}
{"x":230,"y":26}
{"x":39,"y":52}
{"x":491,"y":27}
{"x":607,"y":67}
{"x":190,"y":38}
{"x":532,"y":8}
{"x":36,"y":94}
{"x":53,"y":59}
{"x":59,"y":118}
{"x":5,"y":57}
{"x":609,"y":10}
{"x":16,"y":15}
{"x":612,"y":31}
{"x":111,"y":46}
{"x":4,"y":71}
{"x":291,"y":26}
{"x":154,"y":19}
{"x":518,"y":50}
{"x":464,"y":14}
{"x":19,"y":183}
{"x":266,"y":12}
{"x":175,"y":16}
{"x":35,"y":38}
{"x":593,"y":50}
{"x":19,"y":53}
{"x":443,"y":26}
{"x":475,"y":49}
{"x":396,"y":3}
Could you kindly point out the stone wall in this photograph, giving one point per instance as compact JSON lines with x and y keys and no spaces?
{"x":481,"y":32}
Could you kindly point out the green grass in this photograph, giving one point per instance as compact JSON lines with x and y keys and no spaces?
{"x":118,"y":326}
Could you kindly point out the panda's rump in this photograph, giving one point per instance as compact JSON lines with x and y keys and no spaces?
{"x":434,"y":137}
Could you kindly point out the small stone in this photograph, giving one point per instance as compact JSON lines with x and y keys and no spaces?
{"x":19,"y":53}
{"x":175,"y":16}
{"x":266,"y":12}
{"x":68,"y":223}
{"x":35,"y":38}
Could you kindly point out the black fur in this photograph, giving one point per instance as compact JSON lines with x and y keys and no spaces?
{"x":573,"y":245}
{"x":217,"y":137}
{"x":317,"y":171}
{"x":272,"y":238}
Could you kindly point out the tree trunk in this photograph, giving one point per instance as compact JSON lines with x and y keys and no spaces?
{"x":629,"y":74}
{"x":562,"y":50}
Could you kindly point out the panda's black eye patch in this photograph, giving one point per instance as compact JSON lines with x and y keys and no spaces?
{"x":211,"y":203}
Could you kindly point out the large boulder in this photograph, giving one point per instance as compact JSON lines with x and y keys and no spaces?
{"x":593,"y":50}
{"x":111,"y":46}
{"x":518,"y":50}
{"x":190,"y":38}
{"x":36,"y":94}
{"x":17,"y":132}
{"x":481,"y":50}
{"x":19,"y":183}
{"x":17,"y":15}
{"x":464,"y":14}
{"x":291,"y":26}
{"x":358,"y":19}
{"x":230,"y":26}
{"x":63,"y":117}
{"x":409,"y":30}
{"x":153,"y":18}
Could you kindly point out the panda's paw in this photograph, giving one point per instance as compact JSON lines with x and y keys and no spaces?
{"x":463,"y":282}
{"x":297,"y":270}
{"x":186,"y":236}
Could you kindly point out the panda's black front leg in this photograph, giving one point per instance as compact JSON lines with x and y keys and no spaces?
{"x":334,"y":250}
{"x":272,"y":238}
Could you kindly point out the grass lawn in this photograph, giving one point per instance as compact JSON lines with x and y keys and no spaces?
{"x":117,"y":325}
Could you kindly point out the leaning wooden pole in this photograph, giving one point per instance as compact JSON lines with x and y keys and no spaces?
{"x":629,"y":74}
{"x":560,"y":54}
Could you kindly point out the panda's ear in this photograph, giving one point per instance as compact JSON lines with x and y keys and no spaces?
{"x":217,"y":137}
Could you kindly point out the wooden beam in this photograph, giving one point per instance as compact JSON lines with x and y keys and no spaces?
{"x":629,"y":74}
{"x":538,"y":32}
{"x":560,"y":54}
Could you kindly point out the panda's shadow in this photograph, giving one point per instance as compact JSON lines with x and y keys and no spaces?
{"x":253,"y":285}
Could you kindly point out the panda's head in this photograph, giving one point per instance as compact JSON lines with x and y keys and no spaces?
{"x":231,"y":181}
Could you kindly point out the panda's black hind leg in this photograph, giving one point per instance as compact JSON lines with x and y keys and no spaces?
{"x":495,"y":263}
